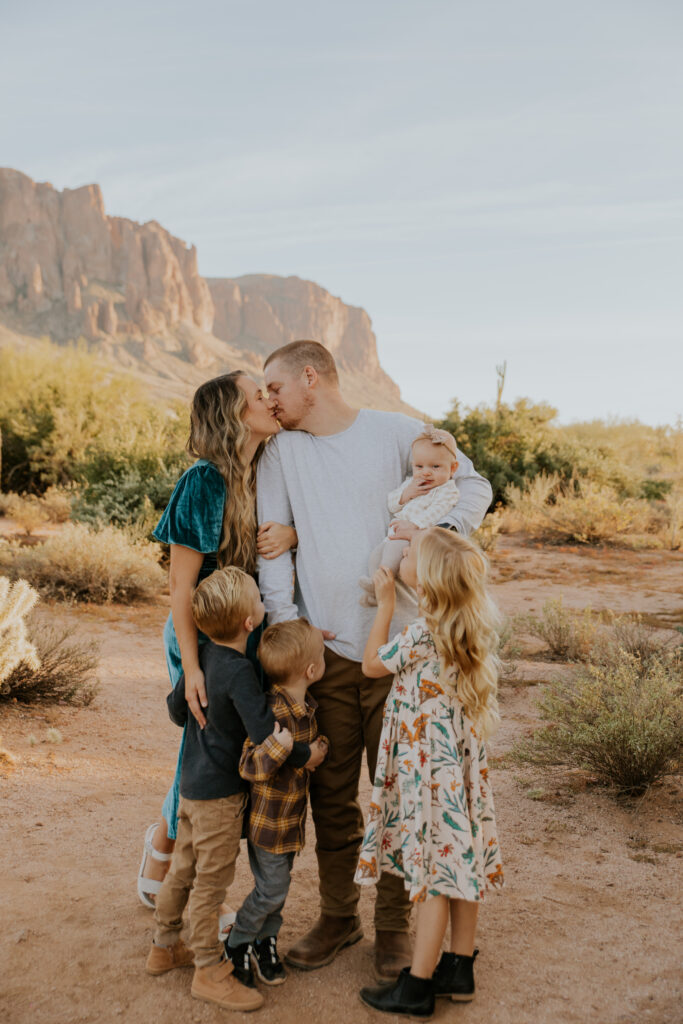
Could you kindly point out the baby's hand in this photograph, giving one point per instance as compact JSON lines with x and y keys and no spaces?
{"x":283,"y":737}
{"x":274,"y":539}
{"x":414,"y":489}
{"x":385,"y":586}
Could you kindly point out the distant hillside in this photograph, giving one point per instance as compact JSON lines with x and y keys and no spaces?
{"x":67,"y":270}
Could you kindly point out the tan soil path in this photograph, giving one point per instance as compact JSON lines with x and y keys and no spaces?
{"x":586,"y":930}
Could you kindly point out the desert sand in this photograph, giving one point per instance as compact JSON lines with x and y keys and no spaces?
{"x":586,"y":930}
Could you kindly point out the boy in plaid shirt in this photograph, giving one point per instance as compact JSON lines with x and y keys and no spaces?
{"x":293,"y":657}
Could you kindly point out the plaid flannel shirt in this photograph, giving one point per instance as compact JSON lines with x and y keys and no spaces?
{"x":279,"y":791}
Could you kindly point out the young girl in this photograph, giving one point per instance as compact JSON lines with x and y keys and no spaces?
{"x":431,"y":818}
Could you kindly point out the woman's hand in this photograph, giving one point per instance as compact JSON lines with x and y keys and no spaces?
{"x":274,"y":539}
{"x":283,"y":737}
{"x":195,"y":695}
{"x":385,"y":587}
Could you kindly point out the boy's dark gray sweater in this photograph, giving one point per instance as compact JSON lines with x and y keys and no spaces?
{"x":237,"y":707}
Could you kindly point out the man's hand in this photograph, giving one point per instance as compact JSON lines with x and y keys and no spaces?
{"x":401,"y":529}
{"x":283,"y":737}
{"x":195,"y":695}
{"x":385,"y":586}
{"x":318,"y":754}
{"x":274,"y":539}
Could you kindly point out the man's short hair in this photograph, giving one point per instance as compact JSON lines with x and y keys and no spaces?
{"x":298,"y":354}
{"x":222,"y":602}
{"x":288,"y":648}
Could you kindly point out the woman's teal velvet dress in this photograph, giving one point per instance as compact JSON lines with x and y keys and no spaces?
{"x":194,"y":519}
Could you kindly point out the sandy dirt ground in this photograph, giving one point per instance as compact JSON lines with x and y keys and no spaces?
{"x":586,"y":930}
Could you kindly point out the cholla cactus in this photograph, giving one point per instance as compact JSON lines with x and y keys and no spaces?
{"x":16,"y":600}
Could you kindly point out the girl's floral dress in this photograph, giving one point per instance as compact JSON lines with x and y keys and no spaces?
{"x":431,"y":818}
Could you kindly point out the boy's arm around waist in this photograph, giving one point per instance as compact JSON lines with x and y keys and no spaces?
{"x":176,"y":703}
{"x":257,"y":715}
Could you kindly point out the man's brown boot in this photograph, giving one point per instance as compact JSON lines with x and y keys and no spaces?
{"x":217,"y":984}
{"x":392,"y":954}
{"x":165,"y":958}
{"x":320,"y":946}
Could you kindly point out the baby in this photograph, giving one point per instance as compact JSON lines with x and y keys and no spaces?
{"x":424,"y":499}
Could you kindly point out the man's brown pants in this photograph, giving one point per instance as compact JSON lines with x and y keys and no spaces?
{"x":350,"y":708}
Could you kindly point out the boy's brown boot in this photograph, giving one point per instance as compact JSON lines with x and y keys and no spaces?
{"x":217,"y":984}
{"x":165,"y":958}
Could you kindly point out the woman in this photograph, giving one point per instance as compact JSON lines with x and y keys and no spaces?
{"x":210,"y":521}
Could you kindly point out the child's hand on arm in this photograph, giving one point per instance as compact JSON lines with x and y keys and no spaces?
{"x":318,"y":754}
{"x":283,"y":737}
{"x":273,"y":539}
{"x":385,"y":592}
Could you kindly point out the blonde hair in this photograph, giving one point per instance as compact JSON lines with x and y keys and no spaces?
{"x":438,"y":437}
{"x":287,"y":649}
{"x":298,"y":354}
{"x":218,"y":433}
{"x":462,"y":619}
{"x":222,"y":602}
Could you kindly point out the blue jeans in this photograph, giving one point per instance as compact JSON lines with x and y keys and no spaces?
{"x":260,"y":916}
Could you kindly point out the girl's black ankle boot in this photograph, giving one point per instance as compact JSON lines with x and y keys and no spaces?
{"x":409,"y":995}
{"x":454,"y":977}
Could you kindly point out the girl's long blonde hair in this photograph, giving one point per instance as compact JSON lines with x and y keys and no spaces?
{"x":218,"y":433}
{"x":452,"y":573}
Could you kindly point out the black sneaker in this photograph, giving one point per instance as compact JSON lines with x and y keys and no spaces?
{"x":267,"y":962}
{"x":240,"y":958}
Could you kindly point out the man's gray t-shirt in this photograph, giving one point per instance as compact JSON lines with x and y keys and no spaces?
{"x":333,"y":489}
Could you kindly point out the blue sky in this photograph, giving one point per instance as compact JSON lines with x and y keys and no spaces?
{"x":496,"y":181}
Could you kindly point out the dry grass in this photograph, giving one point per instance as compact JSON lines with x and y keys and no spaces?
{"x":587,"y":513}
{"x":569,"y":635}
{"x":80,"y":564}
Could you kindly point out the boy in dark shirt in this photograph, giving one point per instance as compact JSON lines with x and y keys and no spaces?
{"x":227,"y":607}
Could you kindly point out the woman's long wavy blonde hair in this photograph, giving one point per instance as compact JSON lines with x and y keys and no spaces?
{"x":462,"y":618}
{"x":218,"y":433}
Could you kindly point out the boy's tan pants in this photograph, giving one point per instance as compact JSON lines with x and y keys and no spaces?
{"x":350,"y":710}
{"x":206,"y":849}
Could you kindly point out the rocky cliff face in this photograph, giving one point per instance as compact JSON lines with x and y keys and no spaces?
{"x":67,"y":270}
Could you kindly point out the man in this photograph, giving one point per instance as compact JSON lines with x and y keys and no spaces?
{"x":328,"y":473}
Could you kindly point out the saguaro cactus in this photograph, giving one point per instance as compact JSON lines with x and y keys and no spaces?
{"x":16,"y":601}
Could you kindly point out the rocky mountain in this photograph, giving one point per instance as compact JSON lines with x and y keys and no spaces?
{"x":133,"y":291}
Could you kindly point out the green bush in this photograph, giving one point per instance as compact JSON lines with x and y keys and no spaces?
{"x":80,"y":564}
{"x":621,"y":720}
{"x":65,"y":418}
{"x":512,"y":444}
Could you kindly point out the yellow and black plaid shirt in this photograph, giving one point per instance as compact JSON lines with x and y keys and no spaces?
{"x":279,"y":791}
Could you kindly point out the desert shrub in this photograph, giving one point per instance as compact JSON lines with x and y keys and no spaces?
{"x":66,"y":417}
{"x":631,"y":636}
{"x":569,"y":634}
{"x":6,"y":499}
{"x":587,"y":513}
{"x":622,"y":721}
{"x":132,"y":498}
{"x":27,"y":512}
{"x":56,"y":503}
{"x":16,"y":601}
{"x":81,"y":564}
{"x":65,"y":674}
{"x":487,"y":534}
{"x":513,"y":444}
